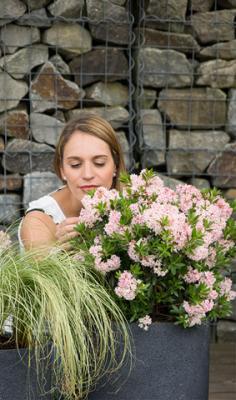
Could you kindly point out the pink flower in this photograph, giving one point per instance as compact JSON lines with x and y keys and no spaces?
{"x":145,"y":322}
{"x":136,"y":182}
{"x":113,"y":225}
{"x":127,"y":286}
{"x":208,"y":278}
{"x":225,"y":289}
{"x":111,"y":264}
{"x":5,"y":241}
{"x":192,"y":276}
{"x":200,"y":253}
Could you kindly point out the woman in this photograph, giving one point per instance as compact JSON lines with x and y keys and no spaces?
{"x":87,"y":156}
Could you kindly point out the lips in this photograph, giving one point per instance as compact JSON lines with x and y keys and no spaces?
{"x":88,"y":187}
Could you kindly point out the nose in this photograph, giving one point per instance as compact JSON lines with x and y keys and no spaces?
{"x":87,"y":172}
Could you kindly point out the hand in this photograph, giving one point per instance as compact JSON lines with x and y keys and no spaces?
{"x":65,"y":231}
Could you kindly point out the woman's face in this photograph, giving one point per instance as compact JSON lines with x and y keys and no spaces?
{"x":87,"y":164}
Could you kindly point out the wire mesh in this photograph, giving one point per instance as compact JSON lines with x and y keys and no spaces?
{"x":162,"y":72}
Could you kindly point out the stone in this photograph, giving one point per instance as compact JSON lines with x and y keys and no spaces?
{"x":45,"y":129}
{"x":145,"y":98}
{"x":70,"y":39}
{"x":11,"y":91}
{"x":223,"y":167}
{"x":110,"y":21}
{"x":222,"y":50}
{"x":231,"y":113}
{"x":100,"y":64}
{"x":14,"y":36}
{"x":67,"y":9}
{"x":24,"y":60}
{"x":23,"y":156}
{"x":210,"y":27}
{"x":153,"y":140}
{"x":230,"y":194}
{"x":11,"y":9}
{"x":173,"y":9}
{"x":11,"y":182}
{"x":217,"y":74}
{"x":161,"y":68}
{"x":110,"y":94}
{"x":37,"y":184}
{"x":9,"y":208}
{"x":200,"y":183}
{"x":121,"y":136}
{"x":58,"y":114}
{"x":184,"y":43}
{"x":15,"y":123}
{"x":197,"y":108}
{"x":226,"y":331}
{"x":191,"y":152}
{"x":2,"y":144}
{"x":49,"y":90}
{"x":117,"y":116}
{"x":38,"y":18}
{"x":201,"y":5}
{"x":172,"y":183}
{"x":118,"y":2}
{"x":36,"y":4}
{"x":60,"y":64}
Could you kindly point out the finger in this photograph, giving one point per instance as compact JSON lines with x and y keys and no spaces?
{"x":70,"y":220}
{"x":67,"y":236}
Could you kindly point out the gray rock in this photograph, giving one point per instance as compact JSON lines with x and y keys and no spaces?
{"x":45,"y":129}
{"x":169,"y":182}
{"x":223,"y":167}
{"x":110,"y":94}
{"x":231,"y":117}
{"x":121,"y":136}
{"x":152,"y":139}
{"x":100,"y":64}
{"x":70,"y":39}
{"x":58,"y":114}
{"x":36,"y":4}
{"x":60,"y":64}
{"x":49,"y":90}
{"x":68,"y":8}
{"x":214,"y":26}
{"x":37,"y":184}
{"x":118,"y":2}
{"x":11,"y":91}
{"x":173,"y":9}
{"x":161,"y":68}
{"x":191,"y":152}
{"x":224,"y":50}
{"x":200,"y":183}
{"x":20,"y":63}
{"x":200,"y":108}
{"x":10,"y":182}
{"x":117,"y":116}
{"x":217,"y":74}
{"x":145,"y":98}
{"x":110,"y":21}
{"x":12,"y":9}
{"x":226,"y":331}
{"x":14,"y":36}
{"x":15,"y":123}
{"x":201,"y":5}
{"x":184,"y":43}
{"x":38,"y":18}
{"x":23,"y":156}
{"x":10,"y":205}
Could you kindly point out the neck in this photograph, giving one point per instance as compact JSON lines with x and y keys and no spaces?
{"x":69,"y":204}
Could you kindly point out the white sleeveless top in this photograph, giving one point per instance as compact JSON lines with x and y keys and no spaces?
{"x":48,"y":205}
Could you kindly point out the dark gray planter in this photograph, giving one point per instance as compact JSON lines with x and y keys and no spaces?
{"x":18,"y":381}
{"x":171,"y":363}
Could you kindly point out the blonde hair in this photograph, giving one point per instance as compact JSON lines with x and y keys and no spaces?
{"x":95,"y":126}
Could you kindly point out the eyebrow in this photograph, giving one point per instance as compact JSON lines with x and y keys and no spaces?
{"x":79,"y":158}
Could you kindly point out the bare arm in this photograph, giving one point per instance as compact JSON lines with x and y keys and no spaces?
{"x":39,"y":230}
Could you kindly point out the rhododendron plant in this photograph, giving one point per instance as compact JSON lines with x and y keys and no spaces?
{"x":164,"y":253}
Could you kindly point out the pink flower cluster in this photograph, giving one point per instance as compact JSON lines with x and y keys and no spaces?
{"x":197,"y":312}
{"x":150,"y":261}
{"x":226,"y":289}
{"x":111,"y":264}
{"x":127,"y":286}
{"x":145,"y":322}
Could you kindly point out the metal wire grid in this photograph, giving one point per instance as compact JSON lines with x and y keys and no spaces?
{"x":83,"y":103}
{"x":164,"y":25}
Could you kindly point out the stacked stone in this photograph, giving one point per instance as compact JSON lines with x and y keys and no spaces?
{"x":58,"y":59}
{"x":187,"y":97}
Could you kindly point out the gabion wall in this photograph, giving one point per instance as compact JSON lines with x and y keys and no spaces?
{"x":161,"y":71}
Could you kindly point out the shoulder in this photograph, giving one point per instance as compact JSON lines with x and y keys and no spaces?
{"x":37,"y":228}
{"x":49,"y":206}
